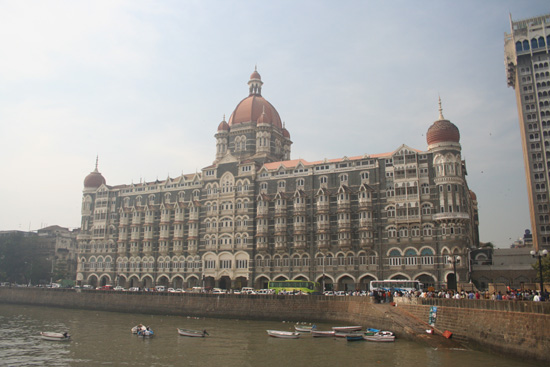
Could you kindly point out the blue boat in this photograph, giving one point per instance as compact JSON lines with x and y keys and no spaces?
{"x":354,"y":337}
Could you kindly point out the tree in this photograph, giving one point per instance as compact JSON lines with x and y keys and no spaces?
{"x":545,"y":269}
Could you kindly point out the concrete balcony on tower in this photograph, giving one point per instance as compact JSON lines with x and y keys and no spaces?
{"x":451,"y":216}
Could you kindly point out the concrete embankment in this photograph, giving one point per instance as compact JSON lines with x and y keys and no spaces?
{"x":522,"y":331}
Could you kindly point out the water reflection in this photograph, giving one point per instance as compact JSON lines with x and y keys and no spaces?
{"x":105,"y":338}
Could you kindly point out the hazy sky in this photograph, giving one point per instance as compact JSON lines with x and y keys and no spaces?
{"x":144,"y":85}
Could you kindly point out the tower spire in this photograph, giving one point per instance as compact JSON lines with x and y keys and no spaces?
{"x":440,"y":110}
{"x":96,"y":163}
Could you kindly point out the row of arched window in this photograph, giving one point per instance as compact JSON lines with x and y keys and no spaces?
{"x":535,"y":43}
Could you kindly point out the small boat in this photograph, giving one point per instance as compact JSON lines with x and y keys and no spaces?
{"x":322,"y":333}
{"x":371,"y":331}
{"x":304,"y":329}
{"x":192,"y":333}
{"x":354,"y":337}
{"x":381,"y":336}
{"x":347,"y":329}
{"x":146,"y":332}
{"x":137,"y":328}
{"x":283,"y":334}
{"x":46,"y":335}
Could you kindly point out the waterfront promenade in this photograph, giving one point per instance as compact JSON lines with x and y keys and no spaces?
{"x":519,"y":328}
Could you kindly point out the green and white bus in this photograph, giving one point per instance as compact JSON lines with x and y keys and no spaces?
{"x":303,"y":286}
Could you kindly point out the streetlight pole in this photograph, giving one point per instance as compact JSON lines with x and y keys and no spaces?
{"x":453,"y":259}
{"x":540,"y":254}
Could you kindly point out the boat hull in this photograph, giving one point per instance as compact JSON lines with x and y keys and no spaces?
{"x":283,"y":334}
{"x":347,"y":329}
{"x":320,"y":334}
{"x":192,"y":333}
{"x":58,"y":337}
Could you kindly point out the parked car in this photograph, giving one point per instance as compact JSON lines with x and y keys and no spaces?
{"x":134,"y":289}
{"x":219,"y":291}
{"x":247,"y":290}
{"x":171,"y":290}
{"x":87,"y":286}
{"x":119,"y":288}
{"x":106,"y":287}
{"x":328,"y":293}
{"x":160,"y":288}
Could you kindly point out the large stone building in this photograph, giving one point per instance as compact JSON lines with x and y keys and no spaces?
{"x":528,"y":72}
{"x":256,"y":215}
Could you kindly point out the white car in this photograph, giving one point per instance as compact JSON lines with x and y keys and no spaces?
{"x":134,"y":289}
{"x":119,"y":288}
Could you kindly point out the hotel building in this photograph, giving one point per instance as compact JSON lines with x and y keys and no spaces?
{"x":256,"y":215}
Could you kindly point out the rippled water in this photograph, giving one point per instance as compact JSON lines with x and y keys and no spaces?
{"x":104,"y":339}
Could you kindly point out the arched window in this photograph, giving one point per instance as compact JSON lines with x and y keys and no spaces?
{"x":410,"y":257}
{"x":525,"y":45}
{"x":395,"y":258}
{"x":426,"y":257}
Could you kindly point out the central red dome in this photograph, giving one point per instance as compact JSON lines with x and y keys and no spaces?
{"x":255,"y":106}
{"x":251,"y":108}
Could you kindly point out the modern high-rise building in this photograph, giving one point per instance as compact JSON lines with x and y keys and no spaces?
{"x":526,"y":58}
{"x":256,"y":215}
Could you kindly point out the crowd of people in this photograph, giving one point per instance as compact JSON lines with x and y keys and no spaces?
{"x":511,"y":294}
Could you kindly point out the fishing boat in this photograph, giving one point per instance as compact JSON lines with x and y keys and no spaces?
{"x":371,"y":331}
{"x":137,"y":328}
{"x":192,"y":333}
{"x":146,"y":332}
{"x":47,"y":335}
{"x":304,"y":328}
{"x":353,"y":337}
{"x":381,"y":336}
{"x":283,"y":334}
{"x":322,"y":333}
{"x":347,"y":329}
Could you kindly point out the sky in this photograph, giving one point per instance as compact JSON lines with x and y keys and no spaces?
{"x":143,"y":86}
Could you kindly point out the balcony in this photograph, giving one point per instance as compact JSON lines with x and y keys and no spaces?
{"x":451,"y":216}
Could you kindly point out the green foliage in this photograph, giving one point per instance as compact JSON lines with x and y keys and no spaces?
{"x":545,"y":268}
{"x":21,"y":261}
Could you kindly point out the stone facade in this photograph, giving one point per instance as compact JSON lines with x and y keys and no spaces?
{"x":256,"y":215}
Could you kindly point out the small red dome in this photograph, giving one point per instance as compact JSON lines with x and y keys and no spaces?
{"x":94,"y":180}
{"x":442,"y":131}
{"x":286,"y":134}
{"x":473,"y":196}
{"x":255,"y":75}
{"x":223,"y":126}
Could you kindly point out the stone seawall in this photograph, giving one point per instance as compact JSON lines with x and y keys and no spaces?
{"x":520,"y":328}
{"x":523,"y":332}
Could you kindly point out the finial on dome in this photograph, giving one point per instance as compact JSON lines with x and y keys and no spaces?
{"x":440,"y":110}
{"x":96,"y":163}
{"x":223,"y":117}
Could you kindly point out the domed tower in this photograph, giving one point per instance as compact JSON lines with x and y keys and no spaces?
{"x":254,"y":129}
{"x":452,"y":210}
{"x":222,"y":137}
{"x":94,"y":180}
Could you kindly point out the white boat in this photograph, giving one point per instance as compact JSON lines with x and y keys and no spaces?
{"x":347,"y":329}
{"x":381,"y":336}
{"x":283,"y":334}
{"x":322,"y":333}
{"x":304,"y":328}
{"x":46,"y":335}
{"x":192,"y":333}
